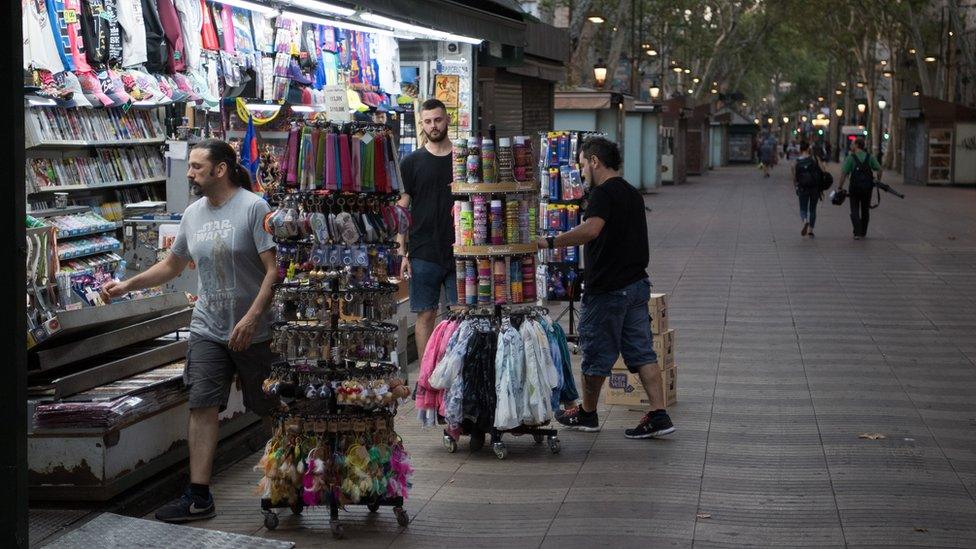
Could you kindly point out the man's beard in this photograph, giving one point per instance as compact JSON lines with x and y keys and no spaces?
{"x":440,"y":136}
{"x":195,"y":188}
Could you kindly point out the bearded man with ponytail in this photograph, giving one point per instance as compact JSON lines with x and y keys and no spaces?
{"x":222,"y":234}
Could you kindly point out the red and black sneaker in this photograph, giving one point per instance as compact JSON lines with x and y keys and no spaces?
{"x":656,"y":423}
{"x":578,"y":419}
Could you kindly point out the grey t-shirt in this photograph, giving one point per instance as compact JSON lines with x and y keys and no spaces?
{"x":224,"y":243}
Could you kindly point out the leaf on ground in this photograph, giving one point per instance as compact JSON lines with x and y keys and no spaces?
{"x":704,"y":515}
{"x":952,"y":237}
{"x":871,"y":436}
{"x":922,"y":530}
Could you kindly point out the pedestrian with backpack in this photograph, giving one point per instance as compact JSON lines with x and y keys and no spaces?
{"x":860,"y":166}
{"x":807,"y":176}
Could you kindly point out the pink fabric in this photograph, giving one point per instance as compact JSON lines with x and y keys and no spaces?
{"x":227,"y":22}
{"x":431,"y":398}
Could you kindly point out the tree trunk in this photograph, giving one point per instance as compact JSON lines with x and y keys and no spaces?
{"x":919,"y":44}
{"x":620,"y":37}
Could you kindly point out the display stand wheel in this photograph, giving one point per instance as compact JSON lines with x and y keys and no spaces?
{"x":401,"y":516}
{"x":270,"y":520}
{"x":500,"y":450}
{"x":297,"y":508}
{"x":537,"y":438}
{"x":477,"y":441}
{"x":554,"y":445}
{"x":373,"y":507}
{"x":338,"y":532}
{"x":450,"y":444}
{"x":575,"y":349}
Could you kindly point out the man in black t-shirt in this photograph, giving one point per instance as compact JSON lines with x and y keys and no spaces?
{"x":428,"y":253}
{"x":614,"y":318}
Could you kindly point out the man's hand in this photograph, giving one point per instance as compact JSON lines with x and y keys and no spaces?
{"x":113,"y":288}
{"x":405,"y":270}
{"x":542,"y":243}
{"x":240,"y":337}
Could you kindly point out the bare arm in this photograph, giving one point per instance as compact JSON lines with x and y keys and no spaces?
{"x":580,"y":234}
{"x":240,"y":337}
{"x":169,"y":268}
{"x":405,"y":270}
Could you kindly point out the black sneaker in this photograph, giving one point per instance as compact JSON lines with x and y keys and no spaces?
{"x":577,"y":419}
{"x":652,"y":425}
{"x":562,"y":411}
{"x":187,"y":508}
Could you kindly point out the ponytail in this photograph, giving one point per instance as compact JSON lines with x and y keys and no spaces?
{"x":220,"y":152}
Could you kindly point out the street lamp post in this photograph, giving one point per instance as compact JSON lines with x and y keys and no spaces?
{"x":600,"y":73}
{"x":882,"y":103}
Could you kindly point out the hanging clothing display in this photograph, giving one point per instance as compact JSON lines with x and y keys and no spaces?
{"x":133,"y":32}
{"x":191,"y":25}
{"x":41,"y":51}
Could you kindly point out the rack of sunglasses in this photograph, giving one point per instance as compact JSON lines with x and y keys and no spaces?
{"x":335,"y":221}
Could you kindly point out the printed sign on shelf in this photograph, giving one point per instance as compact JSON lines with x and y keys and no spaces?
{"x":336,"y":103}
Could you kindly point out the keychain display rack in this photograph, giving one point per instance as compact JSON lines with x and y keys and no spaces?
{"x":562,"y":193}
{"x":338,"y":376}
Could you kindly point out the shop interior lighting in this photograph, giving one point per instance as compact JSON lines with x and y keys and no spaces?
{"x":421,"y":31}
{"x":336,"y":23}
{"x":262,"y":107}
{"x":253,"y":6}
{"x":41,"y":102}
{"x":308,"y":108}
{"x":321,"y":7}
{"x":930,"y":59}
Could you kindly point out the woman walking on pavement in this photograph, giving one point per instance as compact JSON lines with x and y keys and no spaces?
{"x":806,"y":179}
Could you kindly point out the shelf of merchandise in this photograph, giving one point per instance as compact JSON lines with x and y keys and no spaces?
{"x":59,"y":211}
{"x":81,"y":143}
{"x":98,"y":229}
{"x":91,"y":251}
{"x":496,"y":250}
{"x":96,"y":186}
{"x":491,"y":188}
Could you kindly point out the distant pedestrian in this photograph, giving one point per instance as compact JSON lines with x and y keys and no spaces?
{"x":806,"y":179}
{"x":860,"y":165}
{"x":767,"y":154}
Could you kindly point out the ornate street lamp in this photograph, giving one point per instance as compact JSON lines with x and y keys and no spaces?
{"x":882,"y":103}
{"x":861,"y":107}
{"x":655,"y":91}
{"x":839,"y":112}
{"x":600,"y":73}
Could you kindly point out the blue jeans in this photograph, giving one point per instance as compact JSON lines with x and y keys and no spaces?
{"x":808,"y":207}
{"x":616,"y":323}
{"x":426,"y":280}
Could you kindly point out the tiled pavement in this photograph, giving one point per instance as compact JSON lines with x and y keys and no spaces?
{"x":788,"y":349}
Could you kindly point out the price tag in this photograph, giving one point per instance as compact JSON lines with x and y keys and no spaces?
{"x":336,"y":103}
{"x":70,"y":16}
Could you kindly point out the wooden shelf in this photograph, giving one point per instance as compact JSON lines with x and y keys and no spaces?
{"x":499,"y":250}
{"x":488,"y":188}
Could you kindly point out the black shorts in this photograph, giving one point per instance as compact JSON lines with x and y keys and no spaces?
{"x":210,"y":369}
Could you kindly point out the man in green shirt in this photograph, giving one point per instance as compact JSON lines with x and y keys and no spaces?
{"x":861,"y":167}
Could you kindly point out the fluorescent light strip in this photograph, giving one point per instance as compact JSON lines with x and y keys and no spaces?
{"x":422,"y":31}
{"x":334,"y":23}
{"x":320,"y":7}
{"x":253,"y":6}
{"x":42,"y":102}
{"x":262,"y":107}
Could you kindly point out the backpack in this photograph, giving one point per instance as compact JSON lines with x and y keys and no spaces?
{"x":862,"y":178}
{"x":807,"y":174}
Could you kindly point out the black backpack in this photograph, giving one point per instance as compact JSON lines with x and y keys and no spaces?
{"x":862,"y":177}
{"x":808,"y":174}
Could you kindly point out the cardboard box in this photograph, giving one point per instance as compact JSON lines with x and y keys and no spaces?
{"x":625,"y":389}
{"x":664,"y":348}
{"x":657,"y":307}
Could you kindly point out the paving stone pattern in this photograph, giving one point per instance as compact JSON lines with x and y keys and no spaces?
{"x":788,"y":349}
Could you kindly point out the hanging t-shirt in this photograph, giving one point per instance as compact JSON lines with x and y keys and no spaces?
{"x":54,"y":9}
{"x":174,"y":36}
{"x":40,"y":49}
{"x":101,"y":32}
{"x":157,"y":51}
{"x":331,"y":62}
{"x":191,"y":23}
{"x":133,"y":33}
{"x":71,"y":33}
{"x":227,"y":26}
{"x":263,"y":33}
{"x":243,"y":39}
{"x":208,"y":34}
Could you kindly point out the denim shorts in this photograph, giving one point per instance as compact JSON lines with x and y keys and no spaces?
{"x":426,"y":280}
{"x":210,"y":368}
{"x":613,"y":324}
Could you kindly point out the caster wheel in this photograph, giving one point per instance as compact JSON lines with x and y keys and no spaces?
{"x":537,"y":438}
{"x":576,"y":349}
{"x":501,"y":452}
{"x":373,"y":507}
{"x":297,"y":508}
{"x":270,"y":521}
{"x":401,"y":516}
{"x":477,"y":441}
{"x":554,"y":445}
{"x":450,"y":444}
{"x":338,"y":532}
